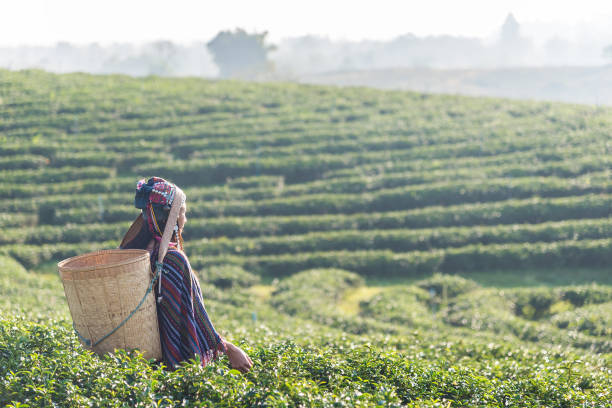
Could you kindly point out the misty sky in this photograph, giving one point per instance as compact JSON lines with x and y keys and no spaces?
{"x":45,"y":22}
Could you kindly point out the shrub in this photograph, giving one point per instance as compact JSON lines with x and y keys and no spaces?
{"x":407,"y":306}
{"x":312,"y":290}
{"x":228,"y":276}
{"x":449,"y":285}
{"x":595,"y":320}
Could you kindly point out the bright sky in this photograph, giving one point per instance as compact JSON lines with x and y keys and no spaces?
{"x":44,"y":22}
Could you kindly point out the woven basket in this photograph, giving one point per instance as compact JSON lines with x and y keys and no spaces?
{"x":102,"y":289}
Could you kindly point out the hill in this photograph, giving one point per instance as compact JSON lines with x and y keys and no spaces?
{"x":367,"y":247}
{"x":575,"y":84}
{"x":398,"y":181}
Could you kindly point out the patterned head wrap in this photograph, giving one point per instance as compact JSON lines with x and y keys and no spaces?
{"x":156,"y":191}
{"x":154,"y":197}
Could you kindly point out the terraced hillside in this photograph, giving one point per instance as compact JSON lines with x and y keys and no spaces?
{"x":329,"y":227}
{"x":284,"y":177}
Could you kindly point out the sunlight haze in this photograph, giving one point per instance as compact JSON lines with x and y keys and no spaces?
{"x":40,"y":22}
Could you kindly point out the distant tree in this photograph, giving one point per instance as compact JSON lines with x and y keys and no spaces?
{"x":160,"y":62}
{"x":512,"y":47}
{"x":240,"y":54}
{"x":510,"y":31}
{"x":165,"y":49}
{"x":607,"y":52}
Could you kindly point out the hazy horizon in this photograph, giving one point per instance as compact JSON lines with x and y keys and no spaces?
{"x":44,"y":23}
{"x":387,"y":44}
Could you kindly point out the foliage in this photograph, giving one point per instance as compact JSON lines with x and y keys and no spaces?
{"x":296,"y":195}
{"x":447,"y":285}
{"x":523,"y":313}
{"x":313,"y":289}
{"x":44,"y":364}
{"x":408,"y":306}
{"x":595,"y":320}
{"x":237,"y":52}
{"x":228,"y":276}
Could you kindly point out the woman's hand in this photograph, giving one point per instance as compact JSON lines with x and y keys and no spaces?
{"x":238,"y":358}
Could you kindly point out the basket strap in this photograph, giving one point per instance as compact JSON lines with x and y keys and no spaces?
{"x":158,"y":270}
{"x":171,"y":226}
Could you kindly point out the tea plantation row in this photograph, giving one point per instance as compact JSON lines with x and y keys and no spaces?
{"x":392,"y":359}
{"x":286,"y":159}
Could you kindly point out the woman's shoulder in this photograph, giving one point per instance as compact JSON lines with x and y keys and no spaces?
{"x":177,"y":257}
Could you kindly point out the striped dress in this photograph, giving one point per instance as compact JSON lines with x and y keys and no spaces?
{"x":184,"y":327}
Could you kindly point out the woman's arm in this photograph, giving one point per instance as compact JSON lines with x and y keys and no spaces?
{"x":237,"y":357}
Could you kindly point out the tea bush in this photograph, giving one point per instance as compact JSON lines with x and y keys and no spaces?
{"x":44,"y":365}
{"x":228,"y":276}
{"x":507,"y":312}
{"x":313,"y":289}
{"x":447,"y":285}
{"x":595,"y":320}
{"x":406,"y":306}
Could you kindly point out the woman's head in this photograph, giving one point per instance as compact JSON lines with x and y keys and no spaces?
{"x":155,"y":198}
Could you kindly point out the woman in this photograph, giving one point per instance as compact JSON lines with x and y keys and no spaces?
{"x":184,"y":327}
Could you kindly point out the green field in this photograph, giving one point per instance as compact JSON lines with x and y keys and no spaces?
{"x":365,"y":247}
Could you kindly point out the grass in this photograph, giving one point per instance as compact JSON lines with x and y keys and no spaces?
{"x":262,"y":292}
{"x":349,"y":305}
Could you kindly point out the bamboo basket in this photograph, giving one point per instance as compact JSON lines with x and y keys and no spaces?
{"x":103,"y":288}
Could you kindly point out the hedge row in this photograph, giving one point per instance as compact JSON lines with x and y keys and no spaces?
{"x":419,"y":196}
{"x":289,"y":144}
{"x":100,"y":116}
{"x":443,"y":146}
{"x":71,"y":233}
{"x":443,"y":192}
{"x":403,"y":240}
{"x":31,"y":256}
{"x":254,"y":182}
{"x":37,"y":180}
{"x":358,"y":184}
{"x":533,"y":210}
{"x":22,"y":184}
{"x":122,"y":162}
{"x":508,"y":166}
{"x":315,"y":142}
{"x":529,"y":158}
{"x":12,"y":222}
{"x":234,"y":137}
{"x":403,"y":198}
{"x":305,"y":168}
{"x":572,"y":253}
{"x":19,"y":182}
{"x":47,"y":150}
{"x":91,"y":156}
{"x":65,"y":194}
{"x":52,"y":215}
{"x":264,"y":132}
{"x":23,"y":161}
{"x":587,"y":253}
